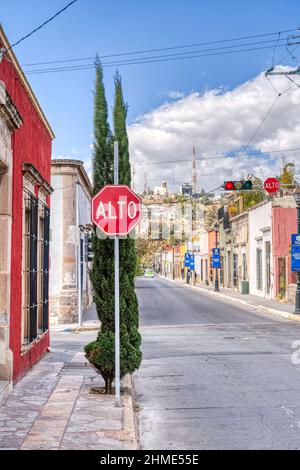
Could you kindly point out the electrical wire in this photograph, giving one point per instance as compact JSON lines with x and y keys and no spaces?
{"x":141,"y":61}
{"x":289,"y":78}
{"x":275,"y":49}
{"x":263,"y":120}
{"x":164,"y":48}
{"x":39,"y":27}
{"x":216,"y":157}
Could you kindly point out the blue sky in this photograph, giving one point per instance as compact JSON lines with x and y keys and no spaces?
{"x":92,"y":26}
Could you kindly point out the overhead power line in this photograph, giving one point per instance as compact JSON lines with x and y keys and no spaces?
{"x":216,"y":157}
{"x":40,"y":27}
{"x":148,"y":51}
{"x":144,"y":60}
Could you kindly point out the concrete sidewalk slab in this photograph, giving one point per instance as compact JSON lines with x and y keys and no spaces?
{"x":52,"y":408}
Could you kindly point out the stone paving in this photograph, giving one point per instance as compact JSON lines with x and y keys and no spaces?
{"x":52,"y":408}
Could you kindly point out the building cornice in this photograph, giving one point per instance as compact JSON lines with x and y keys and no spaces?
{"x":64,"y":166}
{"x":8,"y":111}
{"x":10,"y":54}
{"x":35,"y":177}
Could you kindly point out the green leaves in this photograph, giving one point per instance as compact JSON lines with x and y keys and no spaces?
{"x":101,"y":353}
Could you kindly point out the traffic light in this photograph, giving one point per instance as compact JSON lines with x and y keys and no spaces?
{"x":89,"y":249}
{"x":238,"y":185}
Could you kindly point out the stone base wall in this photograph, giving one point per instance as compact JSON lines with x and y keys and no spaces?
{"x":64,"y":308}
{"x":291,"y":293}
{"x":6,"y":356}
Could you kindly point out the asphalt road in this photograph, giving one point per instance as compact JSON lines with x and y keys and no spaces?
{"x":215,"y":374}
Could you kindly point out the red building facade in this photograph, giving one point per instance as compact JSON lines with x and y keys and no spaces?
{"x":284,"y":221}
{"x":25,"y":168}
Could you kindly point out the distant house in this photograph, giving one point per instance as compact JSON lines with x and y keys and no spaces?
{"x":25,"y":162}
{"x":270,"y":227}
{"x":70,"y":285}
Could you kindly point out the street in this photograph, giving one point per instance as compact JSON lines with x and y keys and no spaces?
{"x":215,"y":375}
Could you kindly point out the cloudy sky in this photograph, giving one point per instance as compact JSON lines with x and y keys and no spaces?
{"x":211,"y":100}
{"x":218,"y":122}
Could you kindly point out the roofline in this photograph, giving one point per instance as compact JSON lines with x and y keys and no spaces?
{"x":75,"y":163}
{"x":13,"y":58}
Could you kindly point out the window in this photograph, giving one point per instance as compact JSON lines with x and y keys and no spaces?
{"x":235,"y":269}
{"x":35,"y":267}
{"x":228,"y":269}
{"x":259,"y":268}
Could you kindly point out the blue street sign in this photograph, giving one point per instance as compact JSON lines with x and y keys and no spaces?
{"x":192,"y":263}
{"x":216,"y":258}
{"x":295,"y":252}
{"x":189,"y":261}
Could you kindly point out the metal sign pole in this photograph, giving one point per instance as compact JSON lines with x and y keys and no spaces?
{"x":117,"y":291}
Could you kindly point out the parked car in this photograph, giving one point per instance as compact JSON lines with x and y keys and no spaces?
{"x":148,"y":273}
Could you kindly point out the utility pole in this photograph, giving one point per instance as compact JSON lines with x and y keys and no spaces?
{"x":194,"y":172}
{"x":146,"y":185}
{"x":133,"y":177}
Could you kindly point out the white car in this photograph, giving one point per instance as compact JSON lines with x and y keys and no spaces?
{"x":148,"y":273}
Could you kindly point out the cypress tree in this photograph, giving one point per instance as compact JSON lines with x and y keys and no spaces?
{"x":101,"y":353}
{"x":129,"y":311}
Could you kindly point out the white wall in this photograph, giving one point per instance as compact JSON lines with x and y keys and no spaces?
{"x":56,"y":246}
{"x":260,"y":231}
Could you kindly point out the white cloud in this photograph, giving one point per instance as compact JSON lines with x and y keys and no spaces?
{"x":217,"y":122}
{"x":174,"y":95}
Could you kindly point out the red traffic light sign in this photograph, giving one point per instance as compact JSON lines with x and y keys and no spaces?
{"x":238,"y":185}
{"x":116,"y":210}
{"x":271,"y":185}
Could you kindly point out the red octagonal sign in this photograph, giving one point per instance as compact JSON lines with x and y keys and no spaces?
{"x":116,"y":209}
{"x":271,"y":185}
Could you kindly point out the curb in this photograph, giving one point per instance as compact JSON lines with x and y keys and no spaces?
{"x":129,"y":416}
{"x":273,"y":311}
{"x":74,"y":328}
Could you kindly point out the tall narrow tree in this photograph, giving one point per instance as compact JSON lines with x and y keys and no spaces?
{"x":102,"y":149}
{"x":130,"y":312}
{"x":101,"y":352}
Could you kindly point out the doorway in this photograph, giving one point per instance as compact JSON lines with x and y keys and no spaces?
{"x":282,"y":277}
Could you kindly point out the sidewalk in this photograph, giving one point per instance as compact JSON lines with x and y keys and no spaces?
{"x":284,"y":310}
{"x":90,"y":322}
{"x":52,"y":407}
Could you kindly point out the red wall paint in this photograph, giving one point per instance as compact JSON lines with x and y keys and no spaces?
{"x":31,"y":144}
{"x":284,"y":224}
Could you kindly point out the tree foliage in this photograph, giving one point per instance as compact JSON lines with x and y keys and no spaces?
{"x":287,"y":174}
{"x":101,"y":353}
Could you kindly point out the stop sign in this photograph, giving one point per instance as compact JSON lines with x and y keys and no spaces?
{"x":116,"y":209}
{"x":271,"y":185}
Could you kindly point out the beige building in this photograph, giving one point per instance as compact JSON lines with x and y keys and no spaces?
{"x":234,"y":245}
{"x":70,"y":285}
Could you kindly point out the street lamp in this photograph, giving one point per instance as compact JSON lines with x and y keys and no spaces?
{"x":216,"y":230}
{"x":296,"y":195}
